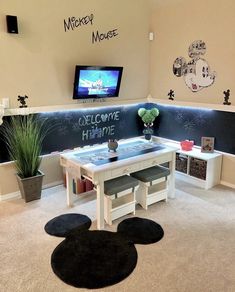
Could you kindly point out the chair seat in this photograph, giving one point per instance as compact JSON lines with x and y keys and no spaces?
{"x":151,"y":174}
{"x":119,"y":184}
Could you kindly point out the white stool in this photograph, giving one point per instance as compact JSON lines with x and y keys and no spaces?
{"x":119,"y":199}
{"x":152,"y":185}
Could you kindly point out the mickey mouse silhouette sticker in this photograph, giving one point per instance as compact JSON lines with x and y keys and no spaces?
{"x":197,"y":74}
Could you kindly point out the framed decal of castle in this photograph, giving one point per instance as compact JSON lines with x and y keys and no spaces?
{"x":207,"y":144}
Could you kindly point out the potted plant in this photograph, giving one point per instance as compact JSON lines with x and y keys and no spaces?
{"x":148,"y":117}
{"x":23,"y":137}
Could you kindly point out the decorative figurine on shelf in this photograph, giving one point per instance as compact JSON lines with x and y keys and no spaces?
{"x":226,"y":97}
{"x":148,"y":117}
{"x":22,"y":101}
{"x":112,"y":145}
{"x":171,"y":94}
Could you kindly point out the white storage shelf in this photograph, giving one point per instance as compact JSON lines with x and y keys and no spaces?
{"x":201,"y":169}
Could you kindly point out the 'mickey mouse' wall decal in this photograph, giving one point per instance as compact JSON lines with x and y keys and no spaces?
{"x":196,"y":72}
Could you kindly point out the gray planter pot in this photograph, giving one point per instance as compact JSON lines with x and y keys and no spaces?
{"x":148,"y":131}
{"x":30,"y":187}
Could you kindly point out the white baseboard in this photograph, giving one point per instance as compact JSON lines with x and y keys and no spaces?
{"x":224,"y":183}
{"x":53,"y":184}
{"x":17,"y":195}
{"x":10,"y":196}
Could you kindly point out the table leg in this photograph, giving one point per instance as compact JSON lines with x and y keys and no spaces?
{"x":171,"y":185}
{"x":100,"y":205}
{"x":69,"y":184}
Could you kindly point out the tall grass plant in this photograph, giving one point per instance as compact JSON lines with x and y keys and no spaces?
{"x":24,"y":137}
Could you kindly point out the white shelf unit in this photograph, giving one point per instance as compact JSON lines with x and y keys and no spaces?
{"x":201,"y":169}
{"x":201,"y":105}
{"x":76,"y":105}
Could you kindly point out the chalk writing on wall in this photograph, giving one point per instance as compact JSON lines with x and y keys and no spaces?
{"x":92,"y":125}
{"x":81,"y":127}
{"x":72,"y":22}
{"x":97,"y":36}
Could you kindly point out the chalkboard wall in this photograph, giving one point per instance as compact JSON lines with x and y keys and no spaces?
{"x":93,"y":126}
{"x":178,"y":123}
{"x":82,"y":127}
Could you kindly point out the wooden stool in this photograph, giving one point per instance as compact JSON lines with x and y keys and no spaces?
{"x":119,"y":199}
{"x":152,"y":185}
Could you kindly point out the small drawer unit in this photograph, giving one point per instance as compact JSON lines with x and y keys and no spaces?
{"x":125,"y":170}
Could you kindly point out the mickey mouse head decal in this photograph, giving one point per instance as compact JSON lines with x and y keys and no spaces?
{"x":196,"y":72}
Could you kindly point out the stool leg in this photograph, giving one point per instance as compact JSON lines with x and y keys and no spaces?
{"x":109,"y":215}
{"x":167,"y":187}
{"x":134,"y":192}
{"x":145,"y":197}
{"x":108,"y":210}
{"x":141,"y":195}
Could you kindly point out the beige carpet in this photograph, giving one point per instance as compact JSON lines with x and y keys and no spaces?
{"x":197,"y":253}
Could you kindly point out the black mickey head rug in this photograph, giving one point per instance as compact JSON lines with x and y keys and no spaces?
{"x":94,"y":259}
{"x":62,"y":225}
{"x":140,"y":230}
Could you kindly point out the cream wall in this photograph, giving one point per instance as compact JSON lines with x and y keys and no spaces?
{"x":41,"y":59}
{"x":176,"y":24}
{"x":227,"y":172}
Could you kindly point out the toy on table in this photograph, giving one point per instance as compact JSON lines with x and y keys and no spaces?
{"x":112,"y":145}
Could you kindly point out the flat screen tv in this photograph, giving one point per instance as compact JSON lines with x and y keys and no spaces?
{"x":96,"y":82}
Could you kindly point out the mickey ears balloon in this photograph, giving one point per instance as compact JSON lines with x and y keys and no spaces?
{"x":197,"y":74}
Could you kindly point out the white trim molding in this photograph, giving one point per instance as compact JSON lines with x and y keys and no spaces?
{"x":52,"y":184}
{"x":209,"y":106}
{"x":74,"y":106}
{"x":10,"y":196}
{"x":17,"y":195}
{"x":227,"y":184}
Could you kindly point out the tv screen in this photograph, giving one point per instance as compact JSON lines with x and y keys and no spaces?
{"x":96,"y":81}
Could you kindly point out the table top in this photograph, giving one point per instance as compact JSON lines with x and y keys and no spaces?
{"x":97,"y":158}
